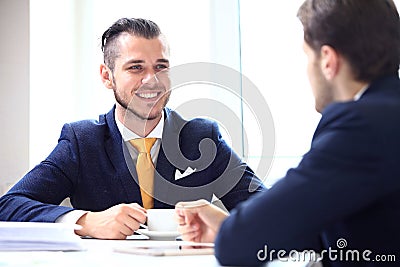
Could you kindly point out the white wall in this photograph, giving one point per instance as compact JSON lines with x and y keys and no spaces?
{"x":14,"y":91}
{"x":273,"y":59}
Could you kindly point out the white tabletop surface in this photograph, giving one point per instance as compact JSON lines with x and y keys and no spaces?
{"x":101,"y":253}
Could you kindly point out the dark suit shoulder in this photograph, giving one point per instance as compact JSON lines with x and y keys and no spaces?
{"x":200,"y":126}
{"x":382,"y":95}
{"x":89,"y":124}
{"x":91,"y":129}
{"x":190,"y":135}
{"x":195,"y":128}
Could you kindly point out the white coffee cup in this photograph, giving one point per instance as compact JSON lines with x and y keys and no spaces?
{"x":161,"y":220}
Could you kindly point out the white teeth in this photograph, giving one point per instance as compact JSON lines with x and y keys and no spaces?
{"x":148,"y":95}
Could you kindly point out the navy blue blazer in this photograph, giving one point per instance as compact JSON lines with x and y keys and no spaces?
{"x":344,"y":194}
{"x":92,"y":166}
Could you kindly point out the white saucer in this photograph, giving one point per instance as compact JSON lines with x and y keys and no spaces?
{"x":159,"y":235}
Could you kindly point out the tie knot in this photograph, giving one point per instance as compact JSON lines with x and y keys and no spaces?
{"x":143,"y":145}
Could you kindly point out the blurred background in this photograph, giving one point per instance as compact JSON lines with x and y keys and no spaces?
{"x":49,"y":72}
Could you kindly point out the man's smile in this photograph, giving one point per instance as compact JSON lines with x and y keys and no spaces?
{"x":148,"y":95}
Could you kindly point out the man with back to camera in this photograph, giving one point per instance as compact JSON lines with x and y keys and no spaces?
{"x":342,"y":201}
{"x":94,"y":161}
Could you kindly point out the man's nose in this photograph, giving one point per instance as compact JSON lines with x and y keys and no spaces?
{"x":149,"y":78}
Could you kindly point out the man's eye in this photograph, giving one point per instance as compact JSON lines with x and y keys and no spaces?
{"x":136,"y":67}
{"x":161,"y":67}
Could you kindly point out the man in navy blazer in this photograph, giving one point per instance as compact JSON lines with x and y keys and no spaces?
{"x":93,"y":163}
{"x":343,"y":199}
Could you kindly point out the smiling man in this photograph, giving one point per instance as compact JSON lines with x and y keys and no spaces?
{"x":94,"y":161}
{"x":134,"y":76}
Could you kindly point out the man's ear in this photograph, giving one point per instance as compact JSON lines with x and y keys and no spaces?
{"x":329,"y":62}
{"x":106,"y":76}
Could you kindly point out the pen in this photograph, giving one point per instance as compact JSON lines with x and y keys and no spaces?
{"x":143,"y":226}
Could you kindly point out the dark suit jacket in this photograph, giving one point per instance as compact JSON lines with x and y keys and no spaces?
{"x":347,"y":187}
{"x":92,"y":166}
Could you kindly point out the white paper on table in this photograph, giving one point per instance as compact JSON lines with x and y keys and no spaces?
{"x":33,"y":236}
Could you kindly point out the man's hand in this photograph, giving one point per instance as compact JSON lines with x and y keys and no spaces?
{"x":117,"y":222}
{"x":199,"y":221}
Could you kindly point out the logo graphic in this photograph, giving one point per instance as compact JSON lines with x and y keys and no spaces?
{"x":341,"y":253}
{"x":341,"y":243}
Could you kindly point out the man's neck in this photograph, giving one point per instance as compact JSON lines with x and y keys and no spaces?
{"x":350,"y":89}
{"x":346,"y":87}
{"x":141,"y":127}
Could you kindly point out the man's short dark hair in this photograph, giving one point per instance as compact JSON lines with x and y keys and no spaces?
{"x":135,"y":26}
{"x":365,"y":32}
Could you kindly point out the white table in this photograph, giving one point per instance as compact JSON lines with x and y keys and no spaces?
{"x":101,"y":253}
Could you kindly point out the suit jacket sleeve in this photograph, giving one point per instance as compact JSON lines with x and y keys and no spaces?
{"x":36,"y":197}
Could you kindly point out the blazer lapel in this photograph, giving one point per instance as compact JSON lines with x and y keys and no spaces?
{"x":168,"y":160}
{"x":121,"y":160}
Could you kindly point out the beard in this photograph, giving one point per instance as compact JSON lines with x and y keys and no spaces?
{"x":324,"y":95}
{"x":131,"y":109}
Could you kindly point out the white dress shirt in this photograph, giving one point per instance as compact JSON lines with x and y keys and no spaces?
{"x":129,"y":135}
{"x":361,"y":92}
{"x":73,"y":216}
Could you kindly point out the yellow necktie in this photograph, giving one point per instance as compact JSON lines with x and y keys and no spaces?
{"x":145,"y":169}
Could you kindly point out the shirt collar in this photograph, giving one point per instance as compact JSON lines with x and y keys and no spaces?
{"x":360,"y":93}
{"x":129,"y":135}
